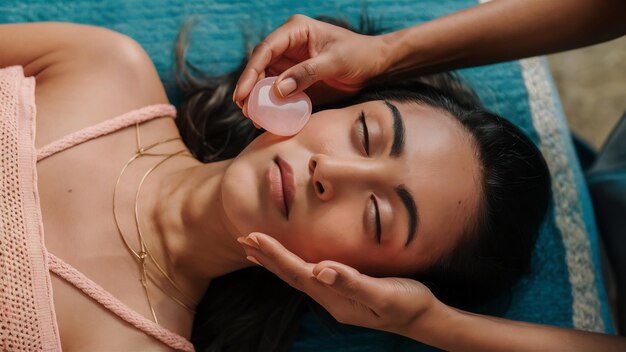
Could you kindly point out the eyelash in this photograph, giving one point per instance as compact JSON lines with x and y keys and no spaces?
{"x":376,"y":218}
{"x":365,"y":132}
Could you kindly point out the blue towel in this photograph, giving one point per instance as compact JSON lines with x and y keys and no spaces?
{"x":565,"y":287}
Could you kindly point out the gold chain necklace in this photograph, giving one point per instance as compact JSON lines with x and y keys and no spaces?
{"x":144,"y":253}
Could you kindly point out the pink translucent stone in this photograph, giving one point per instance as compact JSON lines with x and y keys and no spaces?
{"x":279,"y":116}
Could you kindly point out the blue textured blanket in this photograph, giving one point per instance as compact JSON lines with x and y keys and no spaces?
{"x":565,"y":287}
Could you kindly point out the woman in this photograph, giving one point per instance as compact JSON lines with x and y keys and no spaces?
{"x":411,"y":179}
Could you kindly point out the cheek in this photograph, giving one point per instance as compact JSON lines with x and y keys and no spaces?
{"x":336,"y":233}
{"x":333,"y":232}
{"x":325,"y":232}
{"x":243,"y":183}
{"x":326,"y":134}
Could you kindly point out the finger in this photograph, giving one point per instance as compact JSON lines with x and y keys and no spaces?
{"x":348,"y":282}
{"x":254,"y":260}
{"x":261,"y":76}
{"x":267,"y":252}
{"x":271,"y":72}
{"x":276,"y":258}
{"x":244,"y":86}
{"x":305,"y":74}
{"x":244,"y":109}
{"x":281,"y":65}
{"x":273,"y":46}
{"x":289,"y":267}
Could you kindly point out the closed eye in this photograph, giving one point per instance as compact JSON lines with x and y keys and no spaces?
{"x":376,"y":219}
{"x":365,"y":133}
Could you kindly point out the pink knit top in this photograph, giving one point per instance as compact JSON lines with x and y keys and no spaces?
{"x":27,"y":317}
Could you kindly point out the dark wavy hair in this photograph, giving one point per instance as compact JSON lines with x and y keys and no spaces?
{"x":253,"y":310}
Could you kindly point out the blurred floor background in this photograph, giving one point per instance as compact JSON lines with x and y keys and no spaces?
{"x":592,"y":86}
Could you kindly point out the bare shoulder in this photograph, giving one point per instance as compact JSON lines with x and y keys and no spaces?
{"x":108,"y":75}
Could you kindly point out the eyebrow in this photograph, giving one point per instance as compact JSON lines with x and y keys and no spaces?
{"x":397,"y":147}
{"x":411,"y":208}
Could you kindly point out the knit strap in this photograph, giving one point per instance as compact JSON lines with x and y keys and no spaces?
{"x":106,"y":127}
{"x":108,"y":301}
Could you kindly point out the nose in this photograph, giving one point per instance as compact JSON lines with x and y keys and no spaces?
{"x":329,"y":174}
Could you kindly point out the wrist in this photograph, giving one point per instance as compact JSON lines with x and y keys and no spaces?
{"x":403,"y":53}
{"x":392,"y":51}
{"x":388,"y":55}
{"x":434,"y":326}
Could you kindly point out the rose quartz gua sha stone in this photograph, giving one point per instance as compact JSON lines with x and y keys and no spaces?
{"x":279,"y":116}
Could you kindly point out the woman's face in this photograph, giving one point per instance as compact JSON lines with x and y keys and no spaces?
{"x":385,"y":187}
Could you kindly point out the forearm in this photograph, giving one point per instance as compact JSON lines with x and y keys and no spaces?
{"x":503,"y":30}
{"x":455,"y":330}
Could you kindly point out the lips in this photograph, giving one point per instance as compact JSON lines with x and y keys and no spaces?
{"x":282,"y":185}
{"x":289,"y":185}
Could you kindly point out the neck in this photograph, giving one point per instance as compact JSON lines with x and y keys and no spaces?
{"x":184,"y":213}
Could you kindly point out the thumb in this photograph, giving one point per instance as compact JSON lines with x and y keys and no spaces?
{"x":348,"y":282}
{"x":303,"y":75}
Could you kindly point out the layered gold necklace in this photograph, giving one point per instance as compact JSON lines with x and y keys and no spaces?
{"x":143,"y":256}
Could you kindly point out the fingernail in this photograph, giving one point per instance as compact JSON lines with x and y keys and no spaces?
{"x":247,"y":242}
{"x":244,"y":110}
{"x":327,"y":276}
{"x":253,"y":238}
{"x":239,"y":104}
{"x":286,"y":86}
{"x":235,"y":93}
{"x":254,"y":260}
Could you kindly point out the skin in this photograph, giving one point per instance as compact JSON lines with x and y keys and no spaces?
{"x":195,"y":209}
{"x":438,"y":167}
